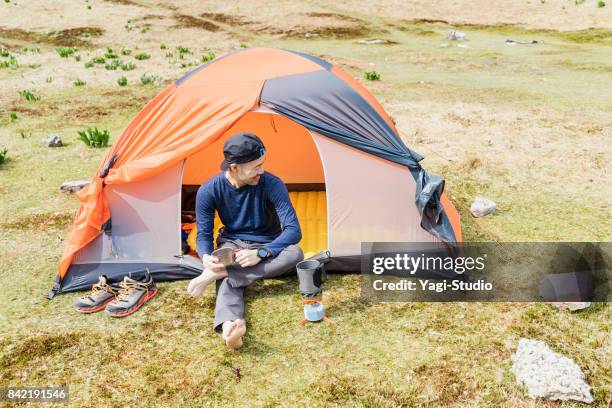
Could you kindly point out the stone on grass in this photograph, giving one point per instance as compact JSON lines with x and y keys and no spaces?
{"x":547,"y":374}
{"x":455,"y":35}
{"x":53,"y":140}
{"x":571,"y":306}
{"x":374,"y":41}
{"x":482,"y":206}
{"x":71,"y":187}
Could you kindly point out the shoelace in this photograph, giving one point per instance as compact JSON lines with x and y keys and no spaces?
{"x":98,"y":288}
{"x":127,"y":288}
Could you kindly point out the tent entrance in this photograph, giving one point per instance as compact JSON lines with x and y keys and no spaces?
{"x":291,"y":154}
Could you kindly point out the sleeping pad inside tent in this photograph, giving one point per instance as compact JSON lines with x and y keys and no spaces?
{"x":311,"y":210}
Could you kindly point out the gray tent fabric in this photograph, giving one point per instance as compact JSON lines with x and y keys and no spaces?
{"x":324,"y":103}
{"x":319,"y":61}
{"x":83,"y":276}
{"x":429,"y":189}
{"x":338,"y":112}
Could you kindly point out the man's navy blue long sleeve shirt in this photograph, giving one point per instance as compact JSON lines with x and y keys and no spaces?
{"x":262,"y":213}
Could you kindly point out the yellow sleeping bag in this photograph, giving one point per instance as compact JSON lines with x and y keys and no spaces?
{"x":311,"y":210}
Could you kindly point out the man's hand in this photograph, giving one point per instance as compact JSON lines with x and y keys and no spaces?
{"x":247,"y":257}
{"x":212,"y":264}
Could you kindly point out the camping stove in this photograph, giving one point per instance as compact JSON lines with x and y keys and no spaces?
{"x":311,"y":275}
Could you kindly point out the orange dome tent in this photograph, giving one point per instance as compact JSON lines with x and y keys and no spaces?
{"x":326,"y":137}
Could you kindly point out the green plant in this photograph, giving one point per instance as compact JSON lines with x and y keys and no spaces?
{"x":89,"y":7}
{"x":145,"y":29}
{"x":578,"y":2}
{"x":7,"y":1}
{"x":99,"y":60}
{"x":601,"y":4}
{"x":122,"y":81}
{"x":147,"y":79}
{"x":372,"y":76}
{"x":65,"y":52}
{"x":110,"y":54}
{"x":93,"y":137}
{"x":128,"y":27}
{"x":142,"y":56}
{"x":4,"y":53}
{"x":24,"y":134}
{"x":162,"y":46}
{"x":243,"y":45}
{"x":128,"y":66}
{"x":183,"y":50}
{"x":3,"y":154}
{"x":49,"y":79}
{"x":29,"y":95}
{"x":169,"y":55}
{"x":89,"y":64}
{"x":113,"y":65}
{"x":208,"y":57}
{"x":10,"y":63}
{"x":77,"y":58}
{"x":126,"y":51}
{"x":79,"y":82}
{"x":13,"y":116}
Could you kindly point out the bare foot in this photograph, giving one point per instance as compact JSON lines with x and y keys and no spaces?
{"x":233,"y":332}
{"x":198,"y":285}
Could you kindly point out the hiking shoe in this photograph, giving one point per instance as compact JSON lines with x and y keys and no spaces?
{"x":136,"y":290}
{"x":101,"y":294}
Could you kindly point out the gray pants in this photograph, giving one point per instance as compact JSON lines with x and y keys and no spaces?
{"x":230,"y":290}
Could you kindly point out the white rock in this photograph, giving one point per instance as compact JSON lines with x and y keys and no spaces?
{"x":53,"y":140}
{"x":369,"y":42}
{"x":70,"y":187}
{"x":571,"y":306}
{"x":482,"y":206}
{"x":547,"y":374}
{"x":455,"y":35}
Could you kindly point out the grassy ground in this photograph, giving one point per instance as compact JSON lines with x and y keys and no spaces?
{"x":526,"y":125}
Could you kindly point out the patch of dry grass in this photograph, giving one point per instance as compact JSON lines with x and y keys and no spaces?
{"x":70,"y":37}
{"x":187,"y":21}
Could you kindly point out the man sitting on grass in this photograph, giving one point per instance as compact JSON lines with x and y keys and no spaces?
{"x":259,"y":224}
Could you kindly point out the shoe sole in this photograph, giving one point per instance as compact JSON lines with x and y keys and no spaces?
{"x":96,"y":308}
{"x":137,"y":306}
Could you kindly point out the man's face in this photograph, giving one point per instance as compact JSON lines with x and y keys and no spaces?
{"x":249,"y":173}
